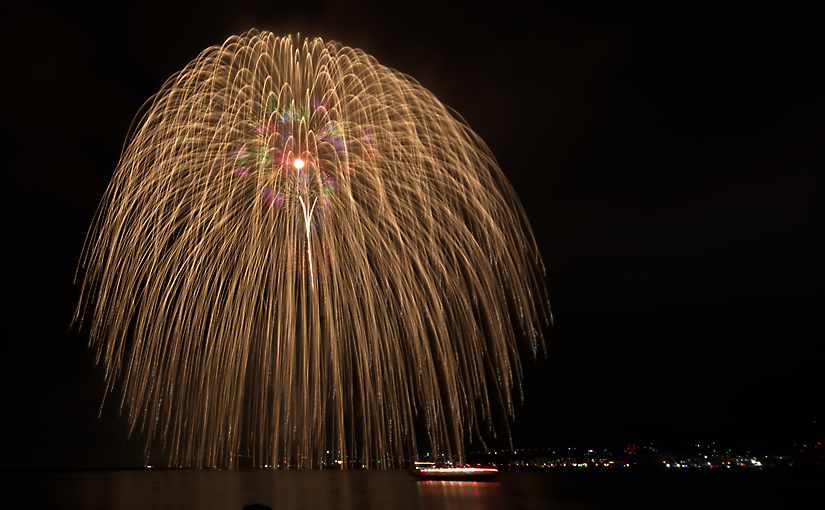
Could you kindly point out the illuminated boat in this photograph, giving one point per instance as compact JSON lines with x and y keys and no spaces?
{"x":429,"y":471}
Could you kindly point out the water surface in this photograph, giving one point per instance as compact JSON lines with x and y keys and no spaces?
{"x":399,"y":491}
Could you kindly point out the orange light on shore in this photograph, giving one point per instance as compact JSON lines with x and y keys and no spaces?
{"x":465,"y":471}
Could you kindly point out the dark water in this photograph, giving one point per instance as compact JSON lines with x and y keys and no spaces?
{"x":398,"y":491}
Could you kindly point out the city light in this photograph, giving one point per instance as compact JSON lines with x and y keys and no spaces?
{"x":695,"y":456}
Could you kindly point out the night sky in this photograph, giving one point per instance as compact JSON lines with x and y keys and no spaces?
{"x":667,"y":161}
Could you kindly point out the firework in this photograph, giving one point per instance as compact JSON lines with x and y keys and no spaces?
{"x":304,"y":254}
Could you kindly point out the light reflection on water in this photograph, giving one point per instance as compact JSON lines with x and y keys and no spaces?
{"x":288,"y":490}
{"x":459,"y":495}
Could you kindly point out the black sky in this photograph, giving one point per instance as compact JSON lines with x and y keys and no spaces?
{"x":667,"y":159}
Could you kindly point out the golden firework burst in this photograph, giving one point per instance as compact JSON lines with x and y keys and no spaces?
{"x":303,"y":251}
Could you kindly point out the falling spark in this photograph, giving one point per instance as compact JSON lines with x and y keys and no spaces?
{"x":369,"y":299}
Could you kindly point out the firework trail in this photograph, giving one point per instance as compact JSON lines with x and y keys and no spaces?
{"x":302,"y":251}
